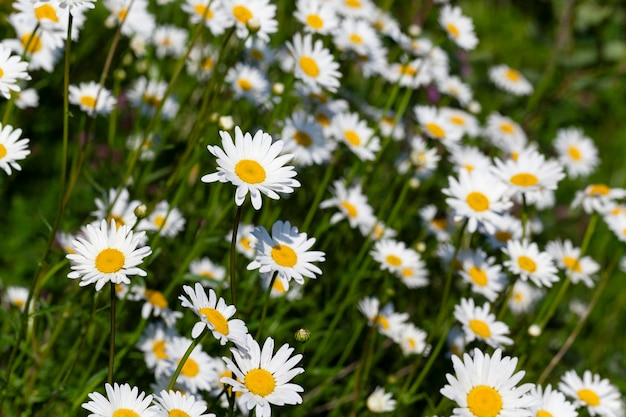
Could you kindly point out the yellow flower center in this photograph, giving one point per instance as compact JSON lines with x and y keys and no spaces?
{"x":382,"y":322}
{"x":543,"y":413}
{"x":242,"y":14}
{"x":393,"y":260}
{"x":88,"y":101}
{"x":284,"y":256}
{"x":278,"y":286}
{"x":507,"y":128}
{"x":110,"y":260}
{"x":574,"y":153}
{"x":190,"y":368}
{"x":436,"y":130}
{"x":156,"y":298}
{"x":484,"y":401}
{"x":158,"y":348}
{"x":524,"y":179}
{"x":3,"y":151}
{"x":407,"y":70}
{"x":477,"y":201}
{"x":1,"y":72}
{"x":352,"y":137}
{"x":118,"y":220}
{"x":201,"y":10}
{"x":322,"y":119}
{"x":453,"y":30}
{"x":526,"y":264}
{"x":33,"y":41}
{"x":354,"y":38}
{"x":207,"y":275}
{"x":257,"y":54}
{"x":503,"y":236}
{"x":512,"y":75}
{"x":599,"y":189}
{"x":411,"y":342}
{"x":572,"y":264}
{"x":245,"y":242}
{"x":353,"y":3}
{"x":478,"y":276}
{"x":19,"y":303}
{"x":457,"y":120}
{"x":217,"y":319}
{"x":468,"y":167}
{"x":302,"y":138}
{"x":480,"y":328}
{"x":159,"y":221}
{"x":122,"y":14}
{"x":124,"y":412}
{"x":588,"y":396}
{"x":45,"y":11}
{"x":309,"y":66}
{"x":440,"y":223}
{"x":250,"y":171}
{"x":244,"y":84}
{"x":259,"y":382}
{"x":349,"y":208}
{"x":315,"y":21}
{"x":176,"y":412}
{"x":207,"y":64}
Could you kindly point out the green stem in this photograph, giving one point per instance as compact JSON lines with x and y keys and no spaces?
{"x":182,"y":360}
{"x":233,"y":256}
{"x":265,"y":303}
{"x":321,"y":189}
{"x":112,"y":336}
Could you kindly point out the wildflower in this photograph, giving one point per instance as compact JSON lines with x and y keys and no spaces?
{"x":26,"y":99}
{"x":354,"y":132}
{"x":199,"y":372}
{"x":523,"y":297}
{"x":169,"y":41}
{"x":617,"y":224}
{"x":459,"y":28}
{"x":479,"y":323}
{"x":436,"y":126}
{"x":462,"y":119}
{"x":453,"y":86}
{"x":597,"y":394}
{"x":252,"y":164}
{"x":39,"y":48}
{"x":530,"y":171}
{"x":314,"y":64}
{"x":147,"y":95}
{"x":577,"y":152}
{"x":212,"y":274}
{"x":388,"y":322}
{"x":529,"y":263}
{"x":12,"y":69}
{"x":107,"y":254}
{"x":353,"y":205}
{"x":215,"y":315}
{"x":247,"y":13}
{"x":356,"y":35}
{"x":597,"y":198}
{"x":153,"y":344}
{"x":12,"y":148}
{"x":421,"y":160}
{"x":412,"y":340}
{"x":355,"y":9}
{"x":167,"y":221}
{"x":120,"y":400}
{"x":117,"y":207}
{"x":246,"y":241}
{"x":132,"y":16}
{"x":304,"y":137}
{"x":393,"y":255}
{"x":412,"y":74}
{"x":508,"y":227}
{"x":248,"y":82}
{"x":155,"y":305}
{"x":212,"y":12}
{"x":316,"y":16}
{"x":568,"y":257}
{"x":550,"y":402}
{"x":485,"y":386}
{"x":509,"y":79}
{"x":380,"y":401}
{"x":146,"y":145}
{"x":414,"y":275}
{"x":483,"y":274}
{"x":263,"y":377}
{"x":286,"y":252}
{"x":16,"y":296}
{"x":174,"y":403}
{"x":437,"y":223}
{"x":92,"y":98}
{"x":505,"y":134}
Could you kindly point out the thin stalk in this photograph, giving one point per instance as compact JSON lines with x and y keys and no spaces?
{"x":233,"y":256}
{"x":182,"y":360}
{"x":112,"y":336}
{"x":318,"y":196}
{"x":362,"y":369}
{"x":265,"y":303}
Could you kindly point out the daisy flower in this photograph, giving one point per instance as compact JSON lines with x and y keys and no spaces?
{"x":305,"y":139}
{"x":92,"y":98}
{"x":155,"y":305}
{"x":356,"y":35}
{"x":26,"y":99}
{"x":479,"y":323}
{"x":453,"y":86}
{"x":16,"y":296}
{"x":505,"y":133}
{"x":212,"y":274}
{"x":12,"y":69}
{"x":568,"y":258}
{"x":469,"y":158}
{"x":393,"y":255}
{"x":486,"y":386}
{"x":530,"y":171}
{"x":437,"y":126}
{"x":459,"y":28}
{"x":316,"y":16}
{"x":246,"y":241}
{"x":412,"y":340}
{"x":314,"y":64}
{"x":509,"y":79}
{"x":286,"y":252}
{"x":523,"y":297}
{"x":355,"y":8}
{"x":260,"y":14}
{"x":215,"y":315}
{"x":477,"y":197}
{"x":174,"y":403}
{"x":248,"y":82}
{"x":132,"y":16}
{"x":389,"y":322}
{"x":380,"y":401}
{"x":201,"y":62}
{"x":352,"y":205}
{"x":437,"y":223}
{"x":153,"y":344}
{"x":354,"y":132}
{"x":12,"y":148}
{"x":165,"y":220}
{"x":617,"y":224}
{"x":577,"y":152}
{"x":117,"y":207}
{"x":482,"y":273}
{"x":597,"y":394}
{"x":199,"y":372}
{"x":414,"y":275}
{"x":550,"y":402}
{"x":462,"y":119}
{"x":169,"y":40}
{"x":421,"y":160}
{"x":107,"y":254}
{"x":509,"y":227}
{"x":263,"y":377}
{"x":120,"y":400}
{"x":455,"y":340}
{"x":412,"y":74}
{"x":528,"y":262}
{"x":597,"y":198}
{"x":252,"y":164}
{"x":214,"y":16}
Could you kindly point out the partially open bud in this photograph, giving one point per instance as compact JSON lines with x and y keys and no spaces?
{"x":302,"y":335}
{"x":141,"y":211}
{"x":226,"y":122}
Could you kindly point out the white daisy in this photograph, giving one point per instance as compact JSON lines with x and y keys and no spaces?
{"x":252,"y":164}
{"x":212,"y":274}
{"x":352,"y":205}
{"x":412,"y":74}
{"x":153,"y":343}
{"x":215,"y":315}
{"x":421,"y":160}
{"x":12,"y":69}
{"x":598,"y":198}
{"x":16,"y":296}
{"x":355,"y":8}
{"x":530,"y":171}
{"x":286,"y":252}
{"x":212,"y":12}
{"x":169,"y":40}
{"x":316,"y":16}
{"x":550,"y":402}
{"x":92,"y":98}
{"x":107,"y":254}
{"x":305,"y":139}
{"x":393,"y":255}
{"x":248,"y":82}
{"x":314,"y":64}
{"x":617,"y":224}
{"x":199,"y":371}
{"x":380,"y":401}
{"x":260,"y":14}
{"x":462,"y":119}
{"x":414,"y":275}
{"x":509,"y":79}
{"x":568,"y":258}
{"x":455,"y":87}
{"x":412,"y":340}
{"x":116,"y":206}
{"x":482,"y":273}
{"x":356,"y":35}
{"x":132,"y":15}
{"x":155,"y":305}
{"x":436,"y":125}
{"x":26,"y":99}
{"x":246,"y":241}
{"x":509,"y":227}
{"x":437,"y":223}
{"x":388,"y":322}
{"x":486,"y":386}
{"x":523,"y":297}
{"x":597,"y":394}
{"x":528,"y":262}
{"x":505,"y":133}
{"x":577,"y":152}
{"x":165,"y":220}
{"x":263,"y":377}
{"x":354,"y":132}
{"x":177,"y":404}
{"x":120,"y":400}
{"x":12,"y":148}
{"x":459,"y":28}
{"x":479,"y":323}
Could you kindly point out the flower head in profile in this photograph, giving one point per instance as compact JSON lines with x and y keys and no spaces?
{"x":12,"y":69}
{"x":577,"y":152}
{"x":509,"y":79}
{"x":107,"y":254}
{"x":380,"y":401}
{"x":597,"y":394}
{"x":12,"y":148}
{"x":92,"y":98}
{"x":479,"y":323}
{"x":263,"y":376}
{"x":252,"y":164}
{"x":550,"y":402}
{"x":120,"y":400}
{"x":459,"y":28}
{"x":176,"y":404}
{"x":486,"y":386}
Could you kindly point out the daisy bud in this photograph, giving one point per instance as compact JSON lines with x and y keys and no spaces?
{"x":226,"y":122}
{"x":214,"y":117}
{"x":253,"y":24}
{"x":302,"y":335}
{"x":534,"y":330}
{"x":141,"y":66}
{"x":420,"y":246}
{"x":120,"y":74}
{"x":140,"y":211}
{"x":474,"y":107}
{"x":278,"y":89}
{"x":415,"y":30}
{"x":414,"y":183}
{"x":127,"y":59}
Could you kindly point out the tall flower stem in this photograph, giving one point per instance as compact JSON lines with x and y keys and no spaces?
{"x":112,"y":336}
{"x":182,"y":360}
{"x":233,"y":256}
{"x":265,"y":303}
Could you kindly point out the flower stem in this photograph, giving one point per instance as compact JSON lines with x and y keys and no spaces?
{"x":265,"y":303}
{"x":112,"y":336}
{"x":182,"y":360}
{"x":233,"y":255}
